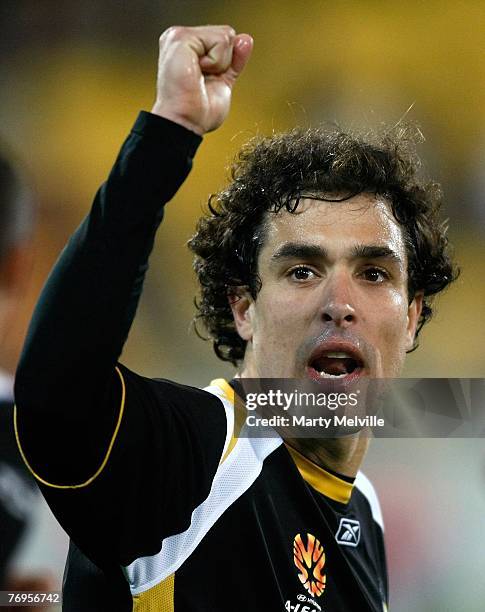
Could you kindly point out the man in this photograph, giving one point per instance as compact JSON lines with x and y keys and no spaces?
{"x":18,"y":491}
{"x":318,"y":261}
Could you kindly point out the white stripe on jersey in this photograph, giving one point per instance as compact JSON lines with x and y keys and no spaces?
{"x":233,"y":478}
{"x":365,"y":486}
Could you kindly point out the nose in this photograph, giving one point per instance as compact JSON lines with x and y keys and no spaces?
{"x":341,"y":314}
{"x":338,"y":302}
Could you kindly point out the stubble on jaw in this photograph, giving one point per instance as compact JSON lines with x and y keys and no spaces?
{"x":342,"y":455}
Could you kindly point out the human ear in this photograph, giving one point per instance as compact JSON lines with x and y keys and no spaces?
{"x":241,"y":303}
{"x":414,"y":312}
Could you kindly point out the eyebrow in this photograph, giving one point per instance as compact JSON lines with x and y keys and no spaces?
{"x":364,"y":251}
{"x":300,"y":250}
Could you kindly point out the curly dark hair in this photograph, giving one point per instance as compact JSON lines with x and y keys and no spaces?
{"x":272,"y":173}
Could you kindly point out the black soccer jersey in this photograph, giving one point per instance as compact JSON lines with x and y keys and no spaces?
{"x":168,"y":505}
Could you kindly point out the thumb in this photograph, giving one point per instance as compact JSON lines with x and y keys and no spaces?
{"x":242,"y":49}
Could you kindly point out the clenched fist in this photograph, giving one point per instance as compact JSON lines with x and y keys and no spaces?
{"x":197,"y":69}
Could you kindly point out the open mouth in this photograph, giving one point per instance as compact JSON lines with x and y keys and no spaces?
{"x":335,"y":365}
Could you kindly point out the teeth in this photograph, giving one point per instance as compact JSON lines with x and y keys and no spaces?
{"x":325,"y":375}
{"x":337,"y":355}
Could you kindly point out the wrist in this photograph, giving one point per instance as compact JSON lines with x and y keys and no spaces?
{"x":161,"y":111}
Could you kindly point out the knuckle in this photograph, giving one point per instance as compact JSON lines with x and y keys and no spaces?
{"x":225,"y":37}
{"x":172,"y":33}
{"x":230,"y":31}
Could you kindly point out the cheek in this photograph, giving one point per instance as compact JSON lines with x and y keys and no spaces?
{"x":277,"y":324}
{"x":391,"y":326}
{"x":272,"y":320}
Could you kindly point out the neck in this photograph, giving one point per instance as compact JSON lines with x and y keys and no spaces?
{"x":342,"y":455}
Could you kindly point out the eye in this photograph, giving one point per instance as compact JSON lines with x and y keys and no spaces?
{"x":301,"y":273}
{"x":375,"y":275}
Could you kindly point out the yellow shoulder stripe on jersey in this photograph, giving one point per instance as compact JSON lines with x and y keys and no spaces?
{"x":103,"y":463}
{"x":239,"y":412}
{"x":160,"y":597}
{"x":225,"y":387}
{"x":321,"y":480}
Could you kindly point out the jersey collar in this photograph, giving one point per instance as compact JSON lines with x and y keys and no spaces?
{"x":324,"y":482}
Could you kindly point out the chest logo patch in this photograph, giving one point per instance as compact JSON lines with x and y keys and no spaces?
{"x":309,"y":558}
{"x":348,"y":532}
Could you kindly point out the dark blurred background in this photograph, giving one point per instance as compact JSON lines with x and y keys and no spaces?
{"x":73,"y":76}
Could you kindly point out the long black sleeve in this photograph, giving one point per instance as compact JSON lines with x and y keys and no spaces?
{"x":88,"y":303}
{"x":122,"y":460}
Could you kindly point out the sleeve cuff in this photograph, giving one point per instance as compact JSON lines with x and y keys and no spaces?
{"x":155,"y":127}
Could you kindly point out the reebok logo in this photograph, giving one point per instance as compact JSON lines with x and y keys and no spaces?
{"x":348,"y":532}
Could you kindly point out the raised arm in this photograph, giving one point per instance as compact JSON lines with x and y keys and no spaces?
{"x":67,"y":388}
